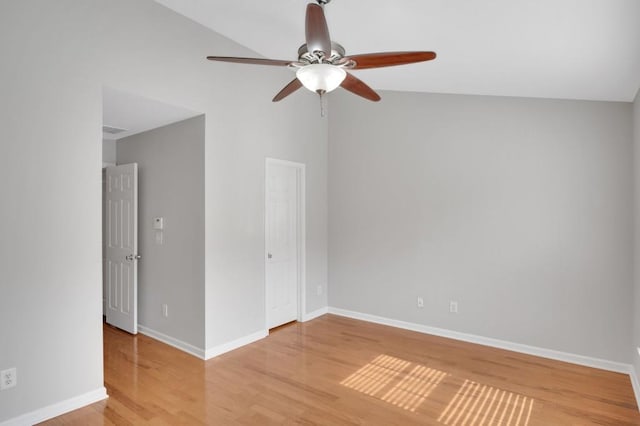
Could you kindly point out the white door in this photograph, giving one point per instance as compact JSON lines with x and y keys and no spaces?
{"x":284,"y":187}
{"x":121,"y":223}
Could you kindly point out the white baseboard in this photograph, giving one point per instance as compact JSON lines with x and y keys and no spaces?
{"x":315,"y":314}
{"x":235,"y":344}
{"x":633,"y":374}
{"x":57,"y":409}
{"x":603,"y":364}
{"x":171,"y":341}
{"x":198,"y":352}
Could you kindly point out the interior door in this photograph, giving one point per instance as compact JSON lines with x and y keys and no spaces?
{"x":282,"y":242}
{"x":121,"y":227}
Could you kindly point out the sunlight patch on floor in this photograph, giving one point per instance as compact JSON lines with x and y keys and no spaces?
{"x":413,"y":382}
{"x":407,"y":385}
{"x":414,"y":388}
{"x":475,"y":404}
{"x":375,"y":375}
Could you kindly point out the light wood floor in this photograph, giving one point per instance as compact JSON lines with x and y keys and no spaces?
{"x":334,"y":371}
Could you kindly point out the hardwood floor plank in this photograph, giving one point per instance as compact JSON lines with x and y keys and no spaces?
{"x":339,"y":371}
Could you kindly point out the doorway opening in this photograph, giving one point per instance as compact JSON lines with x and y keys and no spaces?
{"x":142,"y":135}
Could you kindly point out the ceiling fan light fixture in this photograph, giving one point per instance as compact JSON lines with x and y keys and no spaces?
{"x":321,"y":78}
{"x":321,"y":62}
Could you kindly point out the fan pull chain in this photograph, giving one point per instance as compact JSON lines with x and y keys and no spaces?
{"x":323,"y":103}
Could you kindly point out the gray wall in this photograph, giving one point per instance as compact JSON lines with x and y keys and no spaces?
{"x":170,"y":185}
{"x":61,"y":54}
{"x":636,"y":293}
{"x":108,"y":151}
{"x":235,"y":205}
{"x":519,"y":209}
{"x":235,"y":217}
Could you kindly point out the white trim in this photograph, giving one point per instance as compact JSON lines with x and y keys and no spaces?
{"x":302,"y":234}
{"x":272,"y":160}
{"x":633,"y":375}
{"x":487,"y":341}
{"x":315,"y":314}
{"x":171,"y":341}
{"x":235,"y":344}
{"x":198,"y":352}
{"x":57,"y":409}
{"x":302,"y":301}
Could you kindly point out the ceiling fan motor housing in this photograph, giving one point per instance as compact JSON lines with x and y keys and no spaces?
{"x":337,"y":56}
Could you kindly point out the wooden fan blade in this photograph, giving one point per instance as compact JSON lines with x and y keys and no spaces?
{"x":254,"y":61}
{"x":317,"y":31}
{"x":389,"y":59}
{"x":288,"y":89}
{"x":358,"y":87}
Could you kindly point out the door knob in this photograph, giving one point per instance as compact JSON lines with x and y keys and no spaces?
{"x":269,"y":255}
{"x":130,"y":257}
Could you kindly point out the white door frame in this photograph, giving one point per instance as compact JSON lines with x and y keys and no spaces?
{"x":302,"y":235}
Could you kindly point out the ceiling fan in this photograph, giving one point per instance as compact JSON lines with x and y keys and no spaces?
{"x":322,"y":64}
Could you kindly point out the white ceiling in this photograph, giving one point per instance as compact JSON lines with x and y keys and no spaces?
{"x":571,"y":49}
{"x":137,"y":114}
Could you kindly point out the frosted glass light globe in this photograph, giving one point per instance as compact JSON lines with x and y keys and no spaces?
{"x":321,"y":78}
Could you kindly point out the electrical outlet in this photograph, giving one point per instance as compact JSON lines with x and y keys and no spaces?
{"x":420,"y":302}
{"x":9,"y":378}
{"x":319,"y":290}
{"x":165,"y":310}
{"x":453,"y":307}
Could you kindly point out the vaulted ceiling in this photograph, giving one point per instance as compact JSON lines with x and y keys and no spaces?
{"x":570,"y":49}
